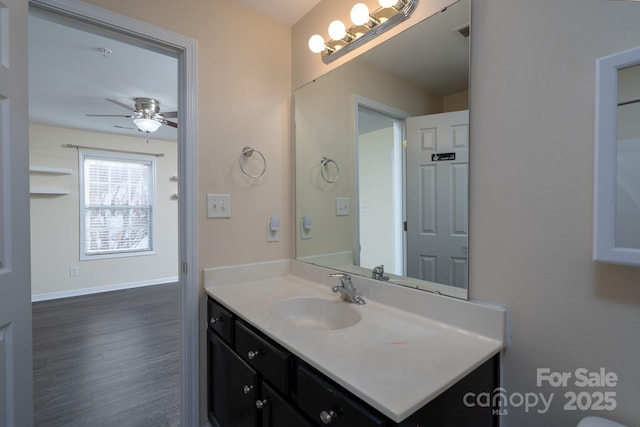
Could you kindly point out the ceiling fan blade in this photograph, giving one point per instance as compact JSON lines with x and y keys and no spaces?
{"x":109,"y":115}
{"x":169,"y":123}
{"x":128,"y":107}
{"x":170,"y":115}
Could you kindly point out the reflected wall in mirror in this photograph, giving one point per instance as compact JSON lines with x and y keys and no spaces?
{"x":617,"y":155}
{"x":395,"y":122}
{"x":628,"y":159}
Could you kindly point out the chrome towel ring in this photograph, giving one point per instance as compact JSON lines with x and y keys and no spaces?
{"x":323,"y":166}
{"x":246,"y":153}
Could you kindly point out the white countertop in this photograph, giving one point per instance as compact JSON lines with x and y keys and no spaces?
{"x":394,"y":360}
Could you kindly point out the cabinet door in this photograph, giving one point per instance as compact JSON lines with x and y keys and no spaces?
{"x":276,"y":412}
{"x":327,"y":404}
{"x":232,"y":387}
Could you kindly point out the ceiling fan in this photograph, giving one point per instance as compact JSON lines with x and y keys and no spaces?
{"x":146,"y":114}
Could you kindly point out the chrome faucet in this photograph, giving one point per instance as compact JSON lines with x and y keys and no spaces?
{"x":346,"y":289}
{"x":378,"y":273}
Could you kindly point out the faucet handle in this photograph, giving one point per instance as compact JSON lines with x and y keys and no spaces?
{"x":345,"y":279}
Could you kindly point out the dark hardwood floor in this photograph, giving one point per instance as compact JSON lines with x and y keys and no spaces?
{"x":109,"y":359}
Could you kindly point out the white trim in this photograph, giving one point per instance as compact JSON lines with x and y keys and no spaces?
{"x":188,"y":184}
{"x":394,"y":113}
{"x":605,"y":160}
{"x":97,"y":154}
{"x":99,"y":289}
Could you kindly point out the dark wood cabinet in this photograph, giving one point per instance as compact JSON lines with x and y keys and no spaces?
{"x":233,"y":387}
{"x":255,"y":382}
{"x":327,"y":404}
{"x":275,"y":411}
{"x":269,"y":360}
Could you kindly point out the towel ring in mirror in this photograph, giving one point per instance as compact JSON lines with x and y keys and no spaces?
{"x":246,"y":153}
{"x":323,"y":167}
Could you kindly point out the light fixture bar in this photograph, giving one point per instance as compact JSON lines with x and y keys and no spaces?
{"x":407,"y":8}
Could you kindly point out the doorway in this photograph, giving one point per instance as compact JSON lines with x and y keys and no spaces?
{"x":184,"y":178}
{"x":380,"y":186}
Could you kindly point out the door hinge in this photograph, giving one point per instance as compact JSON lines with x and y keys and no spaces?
{"x":185,"y":267}
{"x":404,"y":144}
{"x":404,"y":225}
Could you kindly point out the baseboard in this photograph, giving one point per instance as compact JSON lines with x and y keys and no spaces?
{"x":98,"y":289}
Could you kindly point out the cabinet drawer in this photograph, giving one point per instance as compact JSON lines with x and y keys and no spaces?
{"x":220,"y":320}
{"x":326,"y":404}
{"x":277,"y":412}
{"x":268,"y":359}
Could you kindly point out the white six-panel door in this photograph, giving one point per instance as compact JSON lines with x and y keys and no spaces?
{"x":437,"y":197}
{"x":15,"y":287}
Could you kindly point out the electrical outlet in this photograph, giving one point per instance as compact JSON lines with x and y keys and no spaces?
{"x":73,"y":271}
{"x":342,"y":206}
{"x":218,"y":206}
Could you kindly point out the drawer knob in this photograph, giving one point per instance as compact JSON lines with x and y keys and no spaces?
{"x":261,"y":403}
{"x":253,"y":354}
{"x":247,"y":389}
{"x":327,"y":417}
{"x":215,"y":320}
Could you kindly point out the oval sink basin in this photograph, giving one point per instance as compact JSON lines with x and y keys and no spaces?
{"x":317,"y":313}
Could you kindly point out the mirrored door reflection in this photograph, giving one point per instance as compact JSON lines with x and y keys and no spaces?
{"x":628,"y":159}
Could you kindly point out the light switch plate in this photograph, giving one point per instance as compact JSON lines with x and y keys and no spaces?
{"x":342,"y":206}
{"x":218,"y":205}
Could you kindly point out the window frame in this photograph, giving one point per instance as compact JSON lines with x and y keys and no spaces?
{"x":85,"y":154}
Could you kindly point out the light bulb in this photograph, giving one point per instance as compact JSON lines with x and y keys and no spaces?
{"x":337,"y":30}
{"x":387,"y":3}
{"x":147,"y":125}
{"x":360,"y":14}
{"x":316,"y":43}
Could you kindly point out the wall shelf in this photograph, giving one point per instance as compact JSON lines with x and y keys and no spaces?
{"x":49,"y":191}
{"x":50,"y":170}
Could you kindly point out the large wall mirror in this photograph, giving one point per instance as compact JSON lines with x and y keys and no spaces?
{"x":617,"y":183}
{"x":382,"y":159}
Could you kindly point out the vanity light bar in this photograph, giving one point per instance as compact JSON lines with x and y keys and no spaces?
{"x":366,"y":26}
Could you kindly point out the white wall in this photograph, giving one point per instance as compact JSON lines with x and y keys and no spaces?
{"x":376,"y":192}
{"x":55,"y":220}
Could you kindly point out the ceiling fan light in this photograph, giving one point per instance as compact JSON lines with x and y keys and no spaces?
{"x":147,"y":125}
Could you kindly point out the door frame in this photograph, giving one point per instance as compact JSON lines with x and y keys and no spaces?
{"x":361,"y":101}
{"x":186,"y":48}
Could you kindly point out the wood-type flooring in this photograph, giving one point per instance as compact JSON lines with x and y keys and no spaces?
{"x":110,"y":359}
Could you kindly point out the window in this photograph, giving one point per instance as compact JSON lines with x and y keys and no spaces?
{"x":117,"y":201}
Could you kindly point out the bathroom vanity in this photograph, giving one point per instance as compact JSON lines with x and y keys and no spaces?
{"x":286,"y":351}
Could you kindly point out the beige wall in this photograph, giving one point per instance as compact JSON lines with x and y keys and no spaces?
{"x":244,"y":98}
{"x":55,"y":220}
{"x":331,"y":134}
{"x":532,"y":97}
{"x":309,"y":66}
{"x":532,"y":111}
